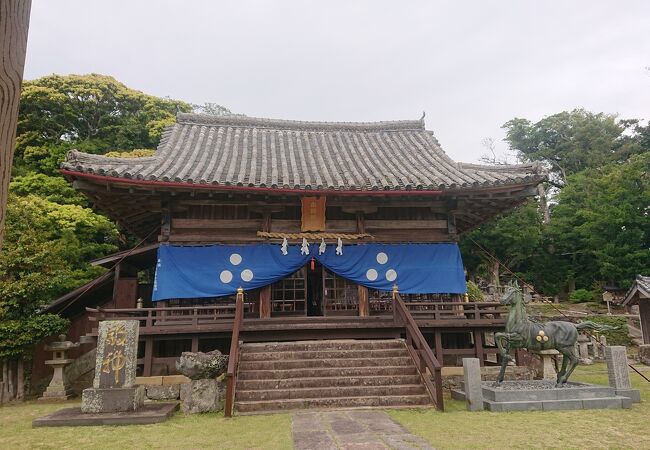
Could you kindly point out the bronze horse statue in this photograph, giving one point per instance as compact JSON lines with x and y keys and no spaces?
{"x":523,"y":332}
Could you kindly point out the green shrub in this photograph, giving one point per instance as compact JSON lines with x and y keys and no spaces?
{"x":581,"y":296}
{"x":620,"y":336}
{"x":474,"y":292}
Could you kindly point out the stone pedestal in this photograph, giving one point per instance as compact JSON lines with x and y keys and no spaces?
{"x":619,"y":373}
{"x":548,"y":371}
{"x":58,"y":389}
{"x":644,"y":354}
{"x":472,"y":384}
{"x":112,"y":400}
{"x":200,"y":396}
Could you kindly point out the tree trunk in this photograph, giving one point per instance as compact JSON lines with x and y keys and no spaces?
{"x":543,"y":203}
{"x":10,"y":381}
{"x":5,"y":383}
{"x":14,"y":24}
{"x":494,"y":272}
{"x":20,"y":381}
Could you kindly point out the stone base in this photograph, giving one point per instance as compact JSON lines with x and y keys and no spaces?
{"x":56,"y":395}
{"x":149,"y":413}
{"x":632,"y":394}
{"x":199,"y":396}
{"x":170,"y":392}
{"x":112,"y":400}
{"x":542,"y":395}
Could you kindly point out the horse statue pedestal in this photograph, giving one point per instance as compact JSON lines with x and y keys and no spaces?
{"x":543,"y":395}
{"x":548,"y":370}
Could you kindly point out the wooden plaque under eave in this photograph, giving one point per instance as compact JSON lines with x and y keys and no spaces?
{"x":313,"y":214}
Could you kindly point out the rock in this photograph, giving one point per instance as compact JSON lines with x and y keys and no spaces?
{"x":199,"y":365}
{"x":158,"y":392}
{"x":199,"y":396}
{"x":586,"y":361}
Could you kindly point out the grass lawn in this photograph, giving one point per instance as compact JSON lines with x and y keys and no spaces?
{"x":458,"y":428}
{"x":198,"y":431}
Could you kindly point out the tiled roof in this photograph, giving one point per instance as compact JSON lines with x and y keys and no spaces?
{"x":640,"y":285}
{"x":283,"y":154}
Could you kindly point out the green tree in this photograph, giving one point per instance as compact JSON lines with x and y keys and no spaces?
{"x":95,"y":109}
{"x":569,"y":142}
{"x":514,"y":239}
{"x":600,"y":226}
{"x":44,"y":256}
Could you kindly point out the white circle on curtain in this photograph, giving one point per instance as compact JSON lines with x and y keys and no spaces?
{"x":391,"y":275}
{"x":225,"y":276}
{"x":235,"y":259}
{"x":382,"y":258}
{"x":371,"y":274}
{"x":246,"y":274}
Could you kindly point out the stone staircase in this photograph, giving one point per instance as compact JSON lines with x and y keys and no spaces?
{"x":326,"y":374}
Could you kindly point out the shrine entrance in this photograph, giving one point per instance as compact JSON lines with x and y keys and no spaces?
{"x":314,"y":291}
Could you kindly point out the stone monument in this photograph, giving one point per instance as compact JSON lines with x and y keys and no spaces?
{"x":472,"y":384}
{"x":113,"y":387}
{"x":619,"y":374}
{"x":58,"y":389}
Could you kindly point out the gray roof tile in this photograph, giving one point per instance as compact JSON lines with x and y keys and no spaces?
{"x":284,"y":154}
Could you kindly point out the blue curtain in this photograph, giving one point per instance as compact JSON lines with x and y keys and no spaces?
{"x":218,"y":270}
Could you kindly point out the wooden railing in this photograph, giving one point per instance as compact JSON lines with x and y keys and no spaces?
{"x":171,"y":317}
{"x":420,"y":351}
{"x":233,"y":356}
{"x":470,"y":311}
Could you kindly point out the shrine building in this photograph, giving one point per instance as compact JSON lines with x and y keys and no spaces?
{"x":325,"y":227}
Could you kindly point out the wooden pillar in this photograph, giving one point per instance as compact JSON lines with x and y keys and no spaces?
{"x":148,"y":356}
{"x":438,"y":345}
{"x":644,"y":316}
{"x":364,"y":306}
{"x":195,"y":344}
{"x":478,"y":345}
{"x":125,"y":290}
{"x":265,"y":302}
{"x":14,"y":25}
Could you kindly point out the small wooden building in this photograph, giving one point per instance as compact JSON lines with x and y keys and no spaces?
{"x":639,"y":294}
{"x":271,"y":190}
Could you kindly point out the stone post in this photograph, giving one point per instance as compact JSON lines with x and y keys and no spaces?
{"x":472,"y":384}
{"x":619,"y":374}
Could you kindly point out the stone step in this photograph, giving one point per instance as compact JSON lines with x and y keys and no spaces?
{"x":294,"y":383}
{"x":327,"y":392}
{"x":325,"y":363}
{"x":337,"y":344}
{"x":318,"y":372}
{"x":332,"y":402}
{"x":322,"y":354}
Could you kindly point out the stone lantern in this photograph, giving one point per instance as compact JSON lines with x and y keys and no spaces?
{"x":58,"y":388}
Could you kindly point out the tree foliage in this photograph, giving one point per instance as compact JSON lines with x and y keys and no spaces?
{"x":599,"y":230}
{"x":570,"y":142}
{"x":44,"y":256}
{"x":95,"y":108}
{"x":51,"y":234}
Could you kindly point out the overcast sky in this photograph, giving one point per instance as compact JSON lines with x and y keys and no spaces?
{"x":471,"y":65}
